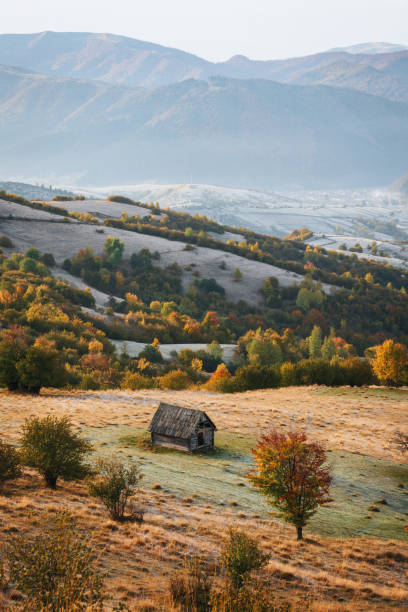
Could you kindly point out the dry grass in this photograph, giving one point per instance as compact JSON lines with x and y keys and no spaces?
{"x":353,"y":420}
{"x":358,"y":574}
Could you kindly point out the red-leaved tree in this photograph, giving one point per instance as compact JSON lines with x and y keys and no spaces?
{"x":293,"y":475}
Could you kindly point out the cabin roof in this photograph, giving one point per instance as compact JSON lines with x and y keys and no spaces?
{"x":170,"y":420}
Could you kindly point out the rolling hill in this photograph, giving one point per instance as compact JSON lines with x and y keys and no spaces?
{"x":248,"y":133}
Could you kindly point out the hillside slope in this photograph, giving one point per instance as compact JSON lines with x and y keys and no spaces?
{"x":288,"y":135}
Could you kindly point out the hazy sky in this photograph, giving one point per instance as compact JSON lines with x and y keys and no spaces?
{"x":218,"y":29}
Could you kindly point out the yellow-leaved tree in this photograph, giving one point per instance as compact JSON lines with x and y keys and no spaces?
{"x":390,"y":363}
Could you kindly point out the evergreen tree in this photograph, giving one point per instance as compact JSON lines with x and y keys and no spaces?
{"x":315,"y":342}
{"x":329,"y":348}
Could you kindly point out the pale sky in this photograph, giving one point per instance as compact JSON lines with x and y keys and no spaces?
{"x":218,"y":29}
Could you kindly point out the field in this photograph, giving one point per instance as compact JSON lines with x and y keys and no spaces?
{"x":355,"y":556}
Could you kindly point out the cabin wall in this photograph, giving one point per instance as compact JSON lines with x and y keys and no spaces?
{"x":170,"y":442}
{"x":209,"y":436}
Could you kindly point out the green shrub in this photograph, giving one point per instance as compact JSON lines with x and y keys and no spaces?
{"x":51,"y":446}
{"x":241,"y":555}
{"x":228,"y":385}
{"x":33,"y":253}
{"x":114,"y":484}
{"x":56,"y":567}
{"x":48,"y":260}
{"x":40,"y":367}
{"x":9,"y":463}
{"x":257,"y":377}
{"x":62,"y":198}
{"x":6,"y":242}
{"x":120,"y":199}
{"x":151,"y":353}
{"x":314,"y":372}
{"x":357,"y":372}
{"x":10,"y":353}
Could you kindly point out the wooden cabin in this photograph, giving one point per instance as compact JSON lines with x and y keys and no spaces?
{"x":182,"y":428}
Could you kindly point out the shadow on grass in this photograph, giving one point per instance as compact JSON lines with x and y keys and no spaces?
{"x":227,"y":447}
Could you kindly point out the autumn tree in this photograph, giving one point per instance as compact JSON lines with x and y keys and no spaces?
{"x":221,"y":373}
{"x":390,"y":363}
{"x":293,"y":476}
{"x":264,"y":349}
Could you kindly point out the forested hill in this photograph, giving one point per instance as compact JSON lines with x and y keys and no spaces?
{"x":288,"y":134}
{"x":246,"y":280}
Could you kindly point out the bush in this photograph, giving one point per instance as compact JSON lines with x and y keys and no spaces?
{"x":56,"y":568}
{"x":48,"y":260}
{"x":63,"y":198}
{"x":9,"y":463}
{"x":135,"y":381}
{"x":10,"y":353}
{"x":288,"y":374}
{"x":33,"y":253}
{"x":241,"y":556}
{"x":352,"y":371}
{"x":151,"y":353}
{"x":257,"y":377}
{"x":88,"y":383}
{"x":114,"y":484}
{"x":191,"y":589}
{"x":52,"y":447}
{"x":357,"y":372}
{"x":251,"y":597}
{"x":175,"y":380}
{"x":40,"y":367}
{"x":6,"y":242}
{"x":314,"y":372}
{"x":210,"y":362}
{"x":120,"y":199}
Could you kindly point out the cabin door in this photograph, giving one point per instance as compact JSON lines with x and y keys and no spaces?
{"x":200,"y":438}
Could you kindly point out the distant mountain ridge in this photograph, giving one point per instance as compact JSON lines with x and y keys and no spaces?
{"x":248,"y":133}
{"x":375,"y":68}
{"x":372,"y":48}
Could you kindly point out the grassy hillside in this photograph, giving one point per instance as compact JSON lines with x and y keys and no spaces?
{"x":191,"y":500}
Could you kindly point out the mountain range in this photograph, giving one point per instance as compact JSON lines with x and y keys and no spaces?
{"x":101,"y":107}
{"x":376,"y":68}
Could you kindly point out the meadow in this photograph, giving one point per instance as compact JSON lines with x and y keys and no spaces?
{"x":355,"y":555}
